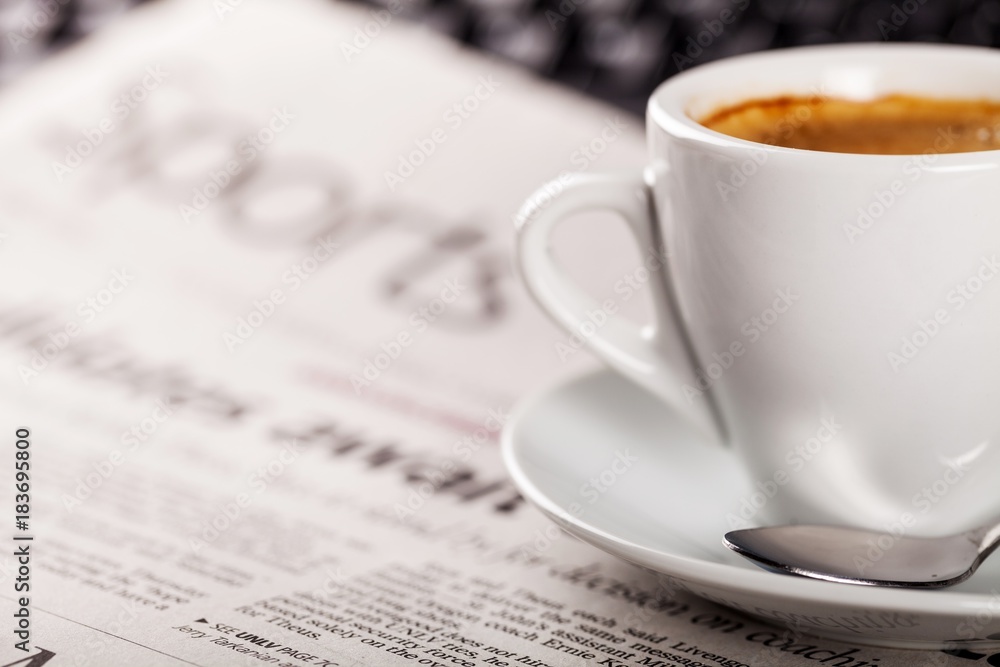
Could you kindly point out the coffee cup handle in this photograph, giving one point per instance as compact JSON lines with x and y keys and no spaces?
{"x":654,"y":356}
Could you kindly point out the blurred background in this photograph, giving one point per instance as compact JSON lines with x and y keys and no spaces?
{"x":614,"y":50}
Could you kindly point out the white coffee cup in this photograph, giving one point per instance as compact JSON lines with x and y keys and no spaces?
{"x":834,"y":317}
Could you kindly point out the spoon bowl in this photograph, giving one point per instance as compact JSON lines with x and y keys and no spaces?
{"x":867,"y":558}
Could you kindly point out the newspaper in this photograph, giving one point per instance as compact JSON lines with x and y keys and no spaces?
{"x":259,"y":335}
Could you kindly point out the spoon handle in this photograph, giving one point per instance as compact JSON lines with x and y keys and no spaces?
{"x":985,"y":538}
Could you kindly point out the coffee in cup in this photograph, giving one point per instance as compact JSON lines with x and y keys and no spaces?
{"x":890,"y":125}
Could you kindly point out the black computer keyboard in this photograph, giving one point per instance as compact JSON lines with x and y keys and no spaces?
{"x":619,"y":50}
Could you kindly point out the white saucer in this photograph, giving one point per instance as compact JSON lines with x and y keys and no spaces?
{"x":667,"y":512}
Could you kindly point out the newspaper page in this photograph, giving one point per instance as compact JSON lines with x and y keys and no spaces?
{"x":259,"y":334}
